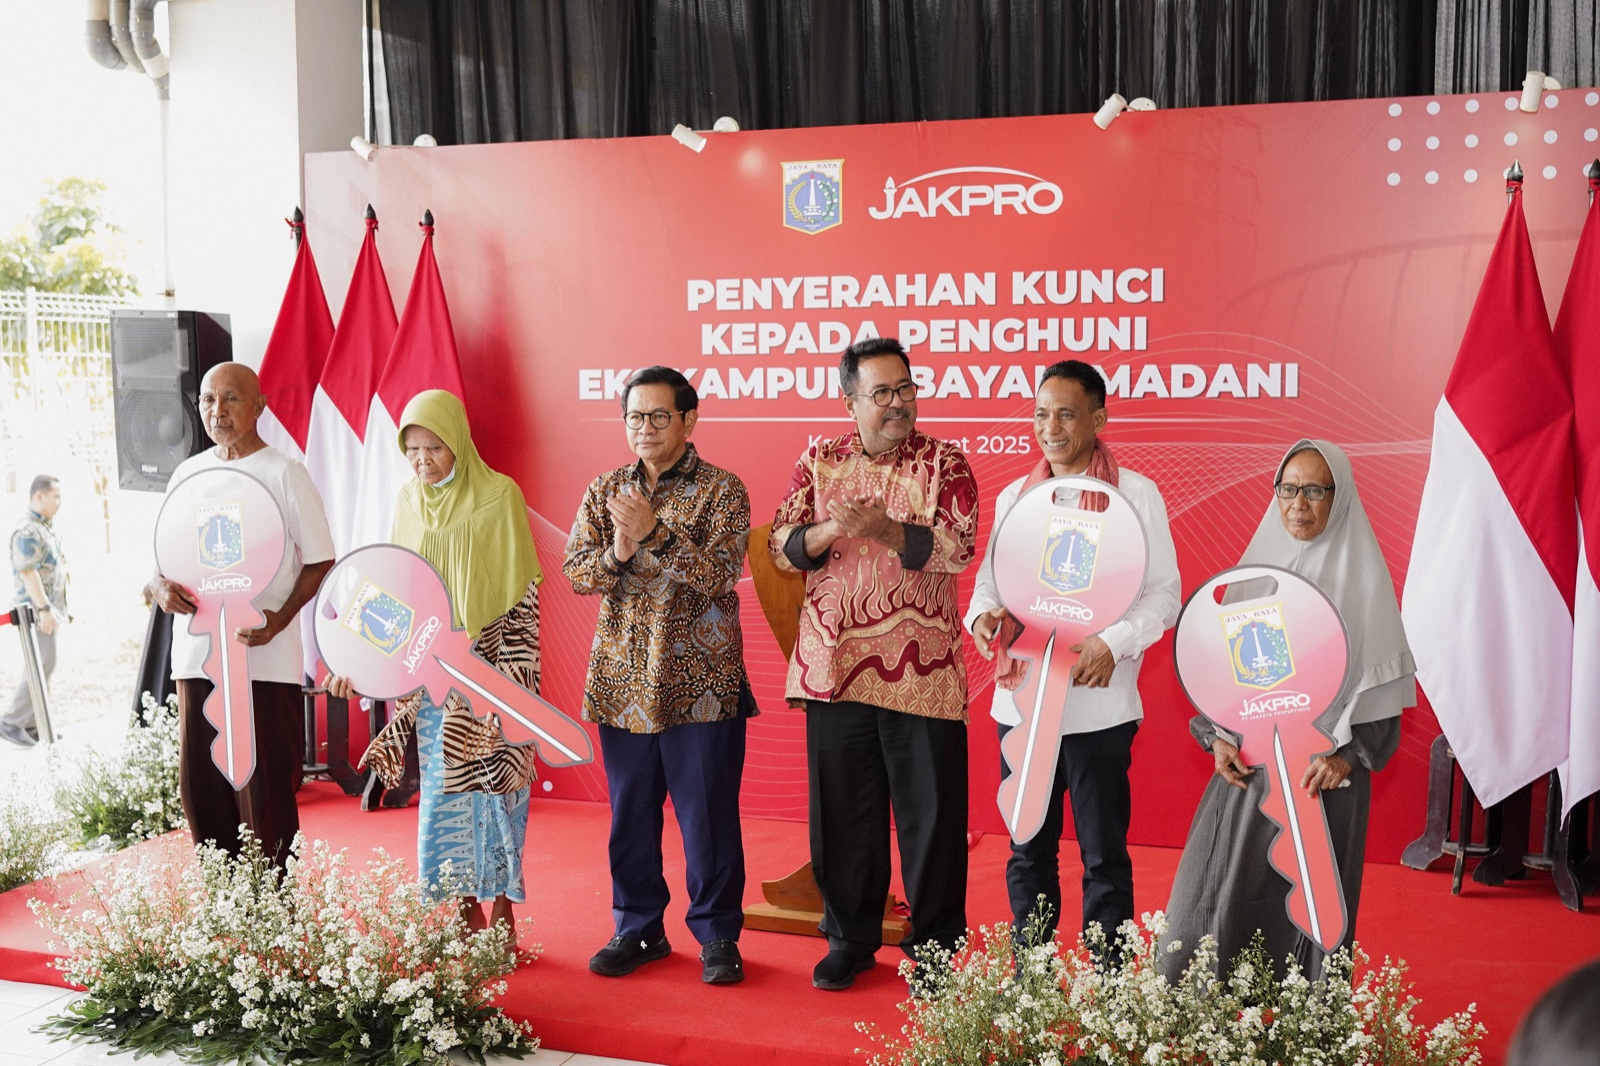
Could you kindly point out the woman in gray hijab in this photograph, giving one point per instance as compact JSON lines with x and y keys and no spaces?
{"x":1225,"y":885}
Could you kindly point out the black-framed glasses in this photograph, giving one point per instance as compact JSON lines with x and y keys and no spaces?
{"x":1313,"y":493}
{"x":658,"y":419}
{"x":884,"y":395}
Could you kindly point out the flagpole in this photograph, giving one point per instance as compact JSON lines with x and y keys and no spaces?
{"x":1513,"y":180}
{"x":1592,"y":172}
{"x":297,"y":227}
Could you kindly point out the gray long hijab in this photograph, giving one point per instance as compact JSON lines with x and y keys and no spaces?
{"x":1345,"y":562}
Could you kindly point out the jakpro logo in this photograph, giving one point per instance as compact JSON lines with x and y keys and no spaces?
{"x":1062,"y":610}
{"x":1275,"y":704}
{"x":424,"y":641}
{"x":1038,"y":196}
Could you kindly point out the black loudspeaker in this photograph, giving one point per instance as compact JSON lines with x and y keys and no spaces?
{"x":157,"y":361}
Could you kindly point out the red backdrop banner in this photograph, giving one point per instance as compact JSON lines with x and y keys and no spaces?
{"x":1244,"y":276}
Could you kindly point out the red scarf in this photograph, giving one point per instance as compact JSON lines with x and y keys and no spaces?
{"x":1008,"y":672}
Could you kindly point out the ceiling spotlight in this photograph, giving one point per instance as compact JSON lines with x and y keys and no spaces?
{"x":725,"y":124}
{"x":363,"y":147}
{"x":425,"y":140}
{"x":688,"y":138}
{"x":1141,"y":103}
{"x":1109,"y":110}
{"x":1532,"y":87}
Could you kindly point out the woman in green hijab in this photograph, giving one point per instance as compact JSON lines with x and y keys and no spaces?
{"x":471,"y":523}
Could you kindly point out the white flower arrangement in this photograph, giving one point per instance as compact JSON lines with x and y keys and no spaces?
{"x":1001,"y":1000}
{"x":221,"y":959}
{"x":114,"y":801}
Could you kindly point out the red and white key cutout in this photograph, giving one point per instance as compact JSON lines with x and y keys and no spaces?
{"x":220,"y":535}
{"x":1265,"y":664}
{"x":383,"y":621}
{"x":1065,"y":574}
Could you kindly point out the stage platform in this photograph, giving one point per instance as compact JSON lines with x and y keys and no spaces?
{"x":1498,"y":947}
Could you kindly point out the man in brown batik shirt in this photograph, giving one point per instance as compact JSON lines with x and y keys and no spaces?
{"x":663,"y":541}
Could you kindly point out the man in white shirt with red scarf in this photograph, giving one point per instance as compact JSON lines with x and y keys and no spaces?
{"x":1103,"y":708}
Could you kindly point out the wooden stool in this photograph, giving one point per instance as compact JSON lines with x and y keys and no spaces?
{"x":794,"y":905}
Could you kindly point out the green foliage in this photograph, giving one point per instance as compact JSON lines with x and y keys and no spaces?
{"x":67,"y":245}
{"x":223,"y":959}
{"x":31,"y":840}
{"x":116,"y":801}
{"x":998,"y":1003}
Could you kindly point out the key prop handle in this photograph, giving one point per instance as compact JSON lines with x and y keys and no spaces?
{"x":220,"y":534}
{"x":383,"y":620}
{"x":1262,"y":652}
{"x":1065,"y":573}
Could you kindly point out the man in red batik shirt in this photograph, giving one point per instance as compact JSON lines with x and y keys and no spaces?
{"x":881,"y":521}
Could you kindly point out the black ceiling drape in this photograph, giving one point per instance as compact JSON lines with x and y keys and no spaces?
{"x":472,"y":71}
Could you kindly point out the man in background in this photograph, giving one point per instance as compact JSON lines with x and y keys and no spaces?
{"x":39,"y":573}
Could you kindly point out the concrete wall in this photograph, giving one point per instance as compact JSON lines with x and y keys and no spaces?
{"x":255,"y":85}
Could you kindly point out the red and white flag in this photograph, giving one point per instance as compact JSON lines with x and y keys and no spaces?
{"x":1577,"y":336}
{"x":296,"y":351}
{"x":422,"y":357}
{"x":1488,"y":597}
{"x":344,"y":392}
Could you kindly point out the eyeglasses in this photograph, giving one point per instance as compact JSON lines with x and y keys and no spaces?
{"x":1313,"y":493}
{"x":658,"y":419}
{"x":884,"y":396}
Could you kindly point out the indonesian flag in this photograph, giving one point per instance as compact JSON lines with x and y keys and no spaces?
{"x":423,"y":357}
{"x":344,"y":392}
{"x":1577,"y":337}
{"x":295,"y":353}
{"x":1488,"y":599}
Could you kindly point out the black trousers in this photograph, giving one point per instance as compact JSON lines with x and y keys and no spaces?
{"x":266,"y":804}
{"x":1093,"y":770}
{"x":861,"y":761}
{"x":700,"y":765}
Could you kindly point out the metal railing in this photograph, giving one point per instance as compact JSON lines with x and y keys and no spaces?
{"x":55,"y":372}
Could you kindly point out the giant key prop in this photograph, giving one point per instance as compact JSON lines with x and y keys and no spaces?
{"x":1265,"y":667}
{"x":1065,"y":574}
{"x":383,"y":622}
{"x":220,"y":535}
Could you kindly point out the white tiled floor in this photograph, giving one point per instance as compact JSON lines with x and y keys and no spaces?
{"x":23,"y":1006}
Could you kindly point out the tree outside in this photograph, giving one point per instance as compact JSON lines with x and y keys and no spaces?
{"x":68,"y":245}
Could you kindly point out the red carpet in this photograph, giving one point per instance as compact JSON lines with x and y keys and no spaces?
{"x":1499,"y":947}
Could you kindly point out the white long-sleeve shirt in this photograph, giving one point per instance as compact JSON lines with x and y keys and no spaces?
{"x":1152,"y":614}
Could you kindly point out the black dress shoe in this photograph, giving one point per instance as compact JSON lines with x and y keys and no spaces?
{"x":837,"y":971}
{"x":17,"y":735}
{"x":623,"y":955}
{"x":721,"y":964}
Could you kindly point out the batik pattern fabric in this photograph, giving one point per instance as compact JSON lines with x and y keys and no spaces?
{"x":882,"y":627}
{"x":668,"y":649}
{"x":34,"y":546}
{"x":480,"y":834}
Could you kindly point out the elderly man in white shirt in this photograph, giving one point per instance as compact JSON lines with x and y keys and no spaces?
{"x":1103,"y":708}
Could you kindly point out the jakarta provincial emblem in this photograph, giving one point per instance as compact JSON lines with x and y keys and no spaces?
{"x":813,"y":195}
{"x":221,"y":536}
{"x":1259,"y":646}
{"x":379,"y":619}
{"x":1070,"y":545}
